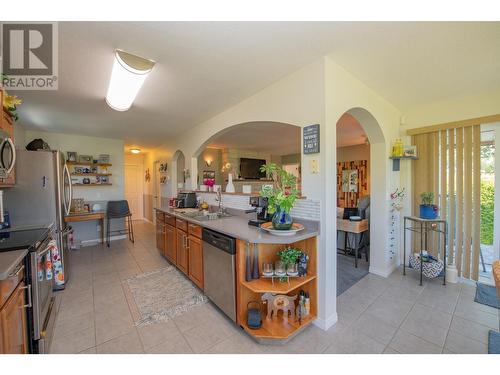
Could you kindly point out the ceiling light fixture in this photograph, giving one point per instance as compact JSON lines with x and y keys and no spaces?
{"x":135,"y":150}
{"x":128,"y":74}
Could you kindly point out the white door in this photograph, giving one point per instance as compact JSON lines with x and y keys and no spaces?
{"x":133,"y":190}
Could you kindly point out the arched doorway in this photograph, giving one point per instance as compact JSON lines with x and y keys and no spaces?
{"x":376,"y":182}
{"x":178,"y":172}
{"x":224,"y":151}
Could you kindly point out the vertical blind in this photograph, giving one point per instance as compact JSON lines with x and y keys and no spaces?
{"x":449,"y":165}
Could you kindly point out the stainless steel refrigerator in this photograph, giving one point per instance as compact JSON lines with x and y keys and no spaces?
{"x":41,"y":197}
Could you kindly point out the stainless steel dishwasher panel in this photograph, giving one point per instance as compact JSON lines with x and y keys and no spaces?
{"x":220,"y":278}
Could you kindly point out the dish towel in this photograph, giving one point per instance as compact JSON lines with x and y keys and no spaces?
{"x":56,"y":263}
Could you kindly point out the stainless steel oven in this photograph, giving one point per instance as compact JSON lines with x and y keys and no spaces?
{"x":43,"y":312}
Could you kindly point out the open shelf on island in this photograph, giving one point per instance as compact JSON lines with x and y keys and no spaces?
{"x":279,"y":328}
{"x":264,"y":285}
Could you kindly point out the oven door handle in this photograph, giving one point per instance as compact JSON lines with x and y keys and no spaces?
{"x":30,"y":299}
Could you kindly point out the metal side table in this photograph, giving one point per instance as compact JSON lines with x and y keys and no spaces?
{"x":423,"y":227}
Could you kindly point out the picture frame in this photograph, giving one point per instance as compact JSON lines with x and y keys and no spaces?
{"x":85,"y":159}
{"x":71,"y":156}
{"x":350,"y":181}
{"x":410,"y":151}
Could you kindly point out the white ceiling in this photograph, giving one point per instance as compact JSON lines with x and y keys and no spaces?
{"x":205,"y":67}
{"x":269,"y":137}
{"x":350,"y":132}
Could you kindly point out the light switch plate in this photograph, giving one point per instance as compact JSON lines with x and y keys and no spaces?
{"x":314,"y":166}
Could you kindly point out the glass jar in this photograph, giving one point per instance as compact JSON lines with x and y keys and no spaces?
{"x":279,"y":268}
{"x":292,"y":269}
{"x":267,"y":269}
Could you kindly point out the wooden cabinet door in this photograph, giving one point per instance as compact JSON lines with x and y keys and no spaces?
{"x":195,"y":249}
{"x":13,"y":323}
{"x":170,"y":250}
{"x":160,"y":236}
{"x":182,"y":254}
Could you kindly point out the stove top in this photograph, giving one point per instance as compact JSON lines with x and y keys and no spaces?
{"x":21,"y":239}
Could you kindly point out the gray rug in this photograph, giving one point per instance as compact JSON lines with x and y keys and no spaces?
{"x":487,"y":295}
{"x":347,"y":275}
{"x":164,"y":294}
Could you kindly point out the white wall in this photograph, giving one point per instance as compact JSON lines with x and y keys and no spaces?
{"x":87,"y":231}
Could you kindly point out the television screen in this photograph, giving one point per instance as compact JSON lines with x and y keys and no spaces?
{"x":250,"y":168}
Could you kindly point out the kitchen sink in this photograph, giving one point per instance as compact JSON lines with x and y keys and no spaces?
{"x":197,"y":216}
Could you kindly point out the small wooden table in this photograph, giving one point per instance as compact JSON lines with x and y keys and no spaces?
{"x":355,"y":227}
{"x":88,"y":216}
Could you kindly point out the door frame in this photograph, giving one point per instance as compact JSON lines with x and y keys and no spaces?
{"x":141,"y":187}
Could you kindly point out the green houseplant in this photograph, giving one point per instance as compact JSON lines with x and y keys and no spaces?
{"x":281,"y":195}
{"x":289,"y":256}
{"x":428,"y":210}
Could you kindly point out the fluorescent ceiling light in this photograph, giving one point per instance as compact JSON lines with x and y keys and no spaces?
{"x":135,"y":150}
{"x":128,"y":74}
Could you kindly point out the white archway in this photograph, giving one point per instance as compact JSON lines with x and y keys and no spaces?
{"x":378,"y":189}
{"x":213,"y":137}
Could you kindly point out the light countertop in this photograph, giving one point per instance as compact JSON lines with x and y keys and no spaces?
{"x":9,"y":261}
{"x":237,"y":226}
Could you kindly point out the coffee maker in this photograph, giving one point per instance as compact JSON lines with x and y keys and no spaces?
{"x":260,"y":204}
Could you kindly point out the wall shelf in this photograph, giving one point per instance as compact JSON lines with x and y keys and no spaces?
{"x":396,"y":161}
{"x":90,"y":174}
{"x":91,"y":164}
{"x":85,"y":185}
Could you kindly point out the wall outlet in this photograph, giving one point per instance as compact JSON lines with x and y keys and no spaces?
{"x":314,"y":166}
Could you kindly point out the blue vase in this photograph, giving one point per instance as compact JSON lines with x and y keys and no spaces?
{"x":282,"y":220}
{"x":428,"y":211}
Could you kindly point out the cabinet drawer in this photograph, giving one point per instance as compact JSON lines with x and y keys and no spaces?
{"x":181,"y":224}
{"x":170,"y":220}
{"x":194,"y":230}
{"x":8,"y":285}
{"x":160,"y":216}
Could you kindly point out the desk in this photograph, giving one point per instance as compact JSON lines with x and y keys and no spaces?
{"x":88,"y":216}
{"x":355,"y":227}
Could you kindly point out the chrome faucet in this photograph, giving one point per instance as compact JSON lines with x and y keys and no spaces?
{"x":218,"y":198}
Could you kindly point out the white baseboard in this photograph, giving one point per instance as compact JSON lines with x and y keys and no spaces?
{"x":147,"y":221}
{"x":383,"y":273}
{"x":325,"y":324}
{"x":98,"y":240}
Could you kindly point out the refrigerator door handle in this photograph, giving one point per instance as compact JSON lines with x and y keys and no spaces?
{"x":67,"y":205}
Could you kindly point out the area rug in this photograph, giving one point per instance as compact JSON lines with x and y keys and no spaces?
{"x":163,"y":294}
{"x":487,"y":295}
{"x":494,"y":342}
{"x":347,"y":274}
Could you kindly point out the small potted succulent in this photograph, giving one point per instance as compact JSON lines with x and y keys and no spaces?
{"x":428,"y":210}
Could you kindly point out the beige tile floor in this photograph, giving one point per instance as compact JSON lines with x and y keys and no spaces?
{"x":377,"y":315}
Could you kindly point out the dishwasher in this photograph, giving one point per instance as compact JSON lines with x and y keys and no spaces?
{"x":219,"y":253}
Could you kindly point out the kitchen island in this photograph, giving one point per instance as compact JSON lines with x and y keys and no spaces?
{"x":179,"y":240}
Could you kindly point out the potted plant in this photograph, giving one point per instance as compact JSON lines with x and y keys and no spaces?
{"x":289,"y":256}
{"x":281,"y":195}
{"x":428,"y":210}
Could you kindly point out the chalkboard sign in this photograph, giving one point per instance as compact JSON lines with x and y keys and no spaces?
{"x":310,"y":135}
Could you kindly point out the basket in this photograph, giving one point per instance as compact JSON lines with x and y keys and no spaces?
{"x":431,"y":269}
